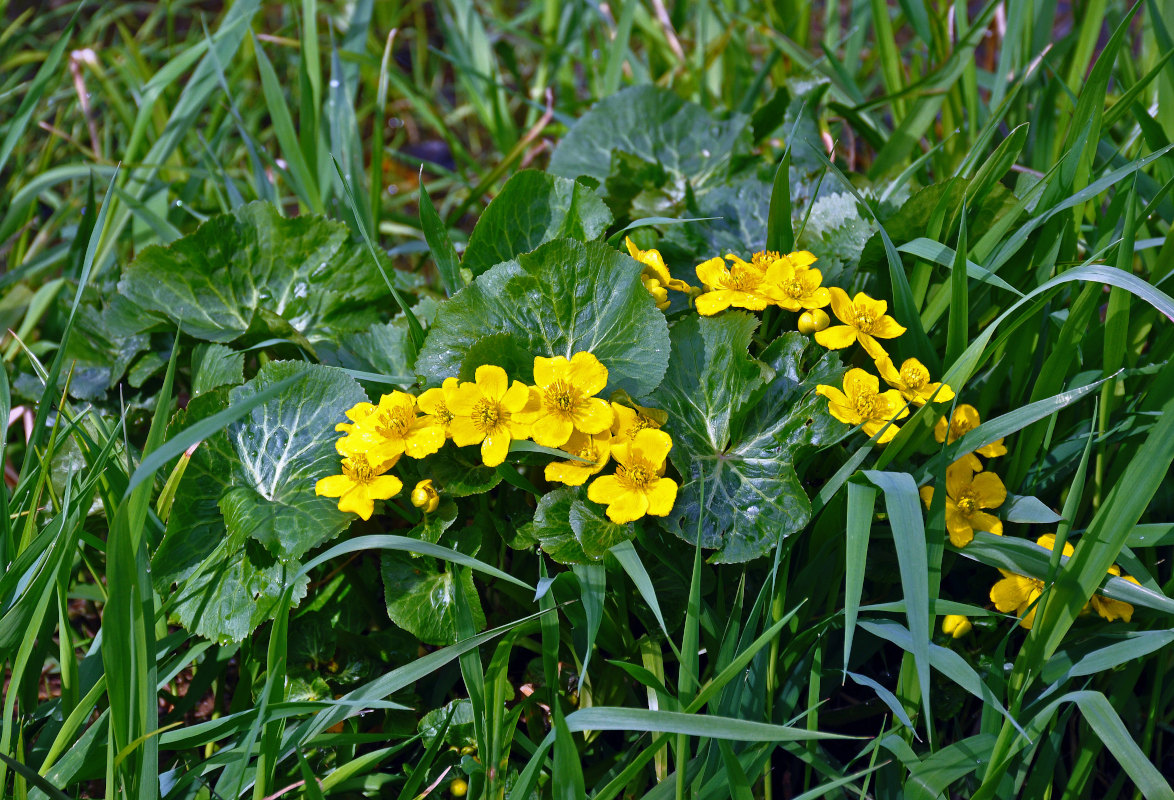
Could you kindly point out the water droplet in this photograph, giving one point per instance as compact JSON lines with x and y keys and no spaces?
{"x":334,"y":84}
{"x":393,"y":189}
{"x":301,"y":289}
{"x":264,"y":294}
{"x":179,"y":204}
{"x":705,"y":153}
{"x":319,"y":270}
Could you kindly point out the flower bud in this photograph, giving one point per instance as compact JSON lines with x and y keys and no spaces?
{"x":956,"y":625}
{"x":425,"y":496}
{"x":812,"y":321}
{"x":458,"y":788}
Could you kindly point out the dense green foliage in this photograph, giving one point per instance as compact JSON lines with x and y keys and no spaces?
{"x":223,"y":231}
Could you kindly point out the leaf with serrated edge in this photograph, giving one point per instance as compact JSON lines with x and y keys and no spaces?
{"x":565,"y":297}
{"x":532,"y":208}
{"x":736,"y":424}
{"x":246,"y":511}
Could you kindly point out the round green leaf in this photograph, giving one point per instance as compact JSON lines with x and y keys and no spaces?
{"x":565,"y":297}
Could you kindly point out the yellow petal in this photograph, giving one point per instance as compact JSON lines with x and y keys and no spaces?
{"x":424,"y":441}
{"x":940,"y":429}
{"x":384,"y":487}
{"x":661,"y":497}
{"x":569,"y":472}
{"x":987,"y":522}
{"x":874,"y":308}
{"x":994,"y":449}
{"x":462,"y":399}
{"x":712,"y":272}
{"x":495,"y":447}
{"x":334,"y":486}
{"x":842,"y":307}
{"x":587,"y":374}
{"x":1009,"y":594}
{"x":594,"y":416}
{"x":516,"y":398}
{"x":464,"y":432}
{"x":871,"y":346}
{"x":653,"y":444}
{"x":551,"y":430}
{"x":605,"y":489}
{"x":711,"y":303}
{"x":889,"y":372}
{"x":992,"y":492}
{"x":356,"y":501}
{"x":886,"y":328}
{"x":836,"y":337}
{"x":546,"y":370}
{"x":492,"y":381}
{"x":926,"y":493}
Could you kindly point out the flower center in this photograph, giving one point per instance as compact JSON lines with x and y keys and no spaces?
{"x":396,"y":423}
{"x":562,"y":397}
{"x":967,"y":503}
{"x":639,"y":475}
{"x":913,"y":378}
{"x":866,"y":403}
{"x":357,"y":469}
{"x":486,"y":415}
{"x":764,"y":259}
{"x":795,"y":290}
{"x":640,"y":423}
{"x":742,"y":280}
{"x":444,"y":415}
{"x":863,"y":321}
{"x":959,"y":427}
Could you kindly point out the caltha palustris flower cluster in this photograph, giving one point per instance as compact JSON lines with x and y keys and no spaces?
{"x":560,"y":410}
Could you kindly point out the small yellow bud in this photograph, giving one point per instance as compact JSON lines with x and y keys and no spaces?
{"x":468,"y":750}
{"x":956,"y":625}
{"x":812,"y":321}
{"x":425,"y":497}
{"x":458,"y":788}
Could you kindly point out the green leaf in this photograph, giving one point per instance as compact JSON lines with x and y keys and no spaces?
{"x":97,"y":354}
{"x":421,"y":599}
{"x":246,"y":510}
{"x":215,"y":282}
{"x":459,"y":732}
{"x":655,"y":125}
{"x":563,"y":298}
{"x":573,"y":530}
{"x":738,"y":425}
{"x":213,"y":366}
{"x":436,"y":234}
{"x":533,"y":208}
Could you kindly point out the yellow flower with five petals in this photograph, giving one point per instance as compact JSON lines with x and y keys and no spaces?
{"x":967,"y":494}
{"x":963,"y":421}
{"x":1021,"y":594}
{"x":742,"y":285}
{"x":912,"y":381}
{"x":564,"y":398}
{"x":360,"y":484}
{"x":864,"y":320}
{"x":862,"y":402}
{"x":799,"y":288}
{"x":395,"y":427}
{"x":638,"y":486}
{"x":489,"y":412}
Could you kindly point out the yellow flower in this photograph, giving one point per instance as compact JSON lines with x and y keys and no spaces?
{"x":742,"y":285}
{"x":964,"y":420}
{"x":434,"y":403}
{"x":966,"y":495}
{"x":360,"y":484}
{"x":564,"y":398}
{"x":1020,"y":593}
{"x":489,"y":412}
{"x":1109,"y":608}
{"x":394,"y":427}
{"x":864,"y":321}
{"x":637,"y":487}
{"x":356,"y":414}
{"x":956,"y":625}
{"x":799,"y":287}
{"x":596,"y":448}
{"x":863,"y":402}
{"x":912,"y":381}
{"x":630,"y":421}
{"x":656,"y":276}
{"x":425,"y":497}
{"x":813,"y":321}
